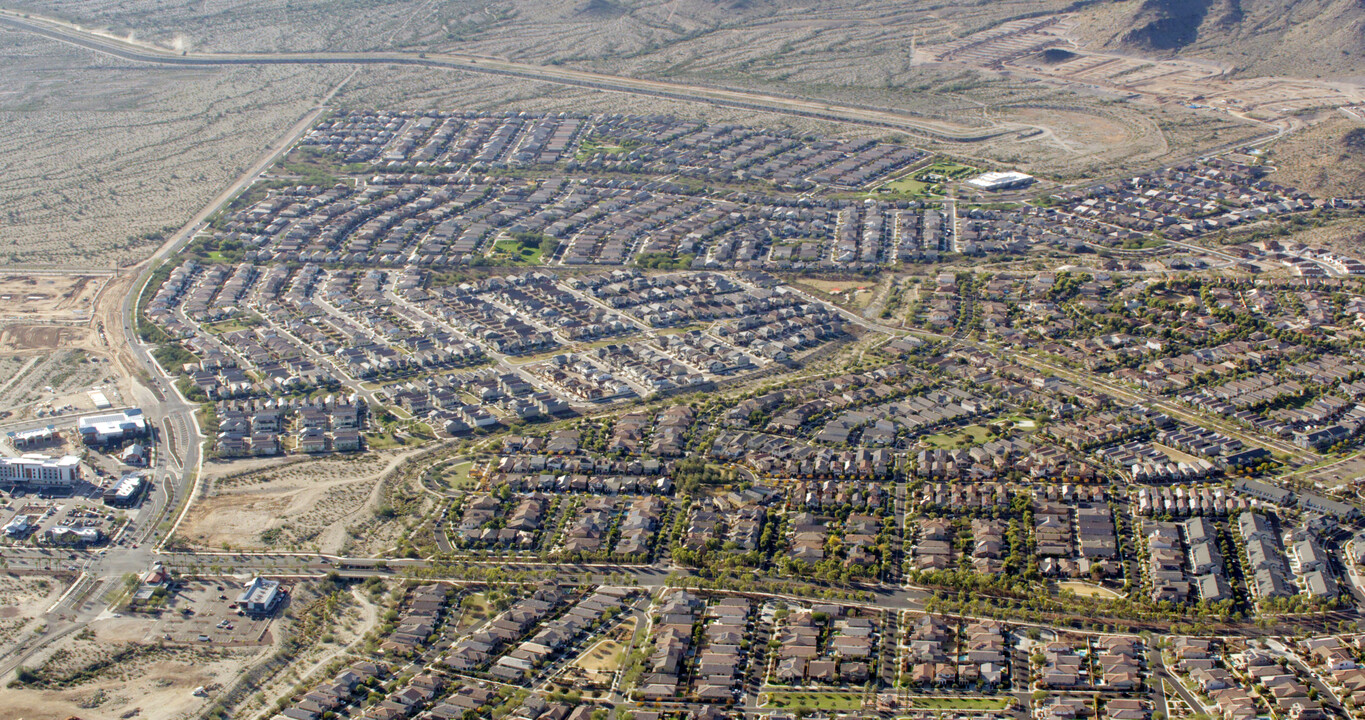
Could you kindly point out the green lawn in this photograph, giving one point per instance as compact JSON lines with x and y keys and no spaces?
{"x":959,"y":703}
{"x":593,"y":147}
{"x":813,"y":700}
{"x":456,"y":476}
{"x":908,"y":185}
{"x":382,"y":441}
{"x":521,"y":251}
{"x":218,"y":256}
{"x":975,"y":433}
{"x":927,"y":180}
{"x":232,"y":325}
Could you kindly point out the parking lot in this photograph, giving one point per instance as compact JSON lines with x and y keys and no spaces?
{"x":47,"y":513}
{"x":205,"y":612}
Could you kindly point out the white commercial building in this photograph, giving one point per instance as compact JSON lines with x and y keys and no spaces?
{"x":70,"y":535}
{"x":19,"y":526}
{"x":1001,"y":180}
{"x":127,"y":492}
{"x":35,"y":470}
{"x":36,"y":436}
{"x":103,"y":429}
{"x":260,"y":597}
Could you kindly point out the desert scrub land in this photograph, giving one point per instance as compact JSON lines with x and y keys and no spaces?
{"x":101,"y":158}
{"x":1327,"y":159}
{"x":247,"y":25}
{"x":69,"y":373}
{"x":22,"y":599}
{"x":521,"y":29}
{"x":321,"y":636}
{"x":290,"y":504}
{"x":100,"y":673}
{"x":842,"y":51}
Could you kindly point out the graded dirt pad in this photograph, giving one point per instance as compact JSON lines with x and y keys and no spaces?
{"x":61,"y":298}
{"x":605,"y":656}
{"x":55,"y":382}
{"x":303,"y":504}
{"x":41,"y":337}
{"x":156,"y":682}
{"x":854,"y":294}
{"x":60,"y":338}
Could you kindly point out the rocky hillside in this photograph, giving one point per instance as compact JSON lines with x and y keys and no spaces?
{"x":1305,"y":38}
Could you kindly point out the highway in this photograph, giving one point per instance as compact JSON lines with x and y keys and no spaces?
{"x":719,"y":96}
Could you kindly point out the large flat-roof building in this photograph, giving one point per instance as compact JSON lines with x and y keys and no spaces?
{"x":72,"y":535}
{"x":260,"y":597}
{"x":38,"y":471}
{"x":1001,"y":180}
{"x":127,"y":492}
{"x":105,"y":429}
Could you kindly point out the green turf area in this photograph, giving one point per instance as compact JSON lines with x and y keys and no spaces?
{"x":515,"y":252}
{"x":959,"y":703}
{"x":594,"y":146}
{"x":218,"y":256}
{"x":386,"y":440}
{"x":813,"y":701}
{"x":976,"y":434}
{"x":456,"y":477}
{"x":926,"y":181}
{"x":908,"y":186}
{"x":522,"y":249}
{"x":232,"y":324}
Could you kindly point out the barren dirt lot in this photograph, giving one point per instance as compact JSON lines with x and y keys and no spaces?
{"x":104,"y":672}
{"x":54,"y":348}
{"x":309,"y":504}
{"x":50,"y":297}
{"x":45,"y":380}
{"x":23,"y":598}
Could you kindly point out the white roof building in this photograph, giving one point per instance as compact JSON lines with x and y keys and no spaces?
{"x":1001,"y":180}
{"x":115,"y":426}
{"x":260,"y":596}
{"x":18,"y":526}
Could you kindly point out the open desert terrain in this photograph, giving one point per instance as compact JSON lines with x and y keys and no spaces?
{"x":682,"y":359}
{"x":102,"y":160}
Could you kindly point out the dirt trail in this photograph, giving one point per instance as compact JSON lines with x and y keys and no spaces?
{"x":323,"y":496}
{"x":337,"y":533}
